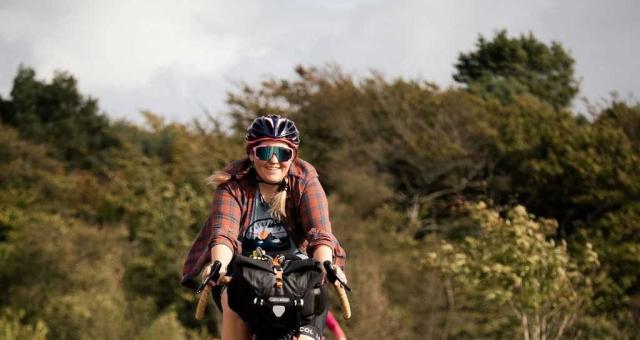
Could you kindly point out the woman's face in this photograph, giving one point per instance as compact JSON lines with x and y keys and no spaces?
{"x":272,"y":170}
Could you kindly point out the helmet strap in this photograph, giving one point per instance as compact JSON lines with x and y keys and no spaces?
{"x":260,"y":180}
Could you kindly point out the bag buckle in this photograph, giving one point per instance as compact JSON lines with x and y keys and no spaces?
{"x":279,"y":281}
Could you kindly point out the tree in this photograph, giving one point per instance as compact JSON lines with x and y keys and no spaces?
{"x":56,"y":113}
{"x":513,"y":266}
{"x":616,"y":237}
{"x":506,"y":66}
{"x":624,"y":116}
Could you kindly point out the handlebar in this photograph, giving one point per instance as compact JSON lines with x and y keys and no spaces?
{"x":213,"y":275}
{"x":204,"y":296}
{"x":204,"y":289}
{"x":332,"y":276}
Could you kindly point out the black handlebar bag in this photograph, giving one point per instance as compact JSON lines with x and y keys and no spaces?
{"x":275,"y":299}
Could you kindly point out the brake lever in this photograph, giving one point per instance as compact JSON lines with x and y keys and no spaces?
{"x":213,"y":275}
{"x":332,"y":274}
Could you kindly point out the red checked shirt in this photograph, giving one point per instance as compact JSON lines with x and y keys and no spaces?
{"x":307,"y":221}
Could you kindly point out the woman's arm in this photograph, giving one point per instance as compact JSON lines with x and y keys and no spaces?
{"x":225,"y":225}
{"x":221,"y":253}
{"x":323,"y":253}
{"x":314,"y":217}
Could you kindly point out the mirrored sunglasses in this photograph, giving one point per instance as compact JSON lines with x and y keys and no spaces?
{"x":265,"y":152}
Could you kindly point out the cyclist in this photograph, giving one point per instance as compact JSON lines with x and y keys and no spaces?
{"x":270,"y":199}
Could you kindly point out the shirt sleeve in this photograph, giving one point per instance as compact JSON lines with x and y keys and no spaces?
{"x":314,"y":215}
{"x":224,"y":219}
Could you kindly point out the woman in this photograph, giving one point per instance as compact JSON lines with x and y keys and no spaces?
{"x":273,"y":200}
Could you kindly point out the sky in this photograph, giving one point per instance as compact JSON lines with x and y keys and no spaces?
{"x":179,"y":58}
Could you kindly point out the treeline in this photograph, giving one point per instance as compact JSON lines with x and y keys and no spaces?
{"x":486,"y":210}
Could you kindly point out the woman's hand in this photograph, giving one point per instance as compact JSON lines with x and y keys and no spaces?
{"x":220,"y":253}
{"x":207,"y":271}
{"x":340,"y":274}
{"x":324,"y":253}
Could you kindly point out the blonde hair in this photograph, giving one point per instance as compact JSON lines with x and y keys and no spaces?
{"x":277,"y":203}
{"x":218,"y":177}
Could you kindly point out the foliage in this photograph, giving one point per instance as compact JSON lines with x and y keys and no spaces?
{"x":57,"y":114}
{"x":513,"y":265}
{"x":167,"y":326}
{"x":508,"y":66}
{"x":560,"y":168}
{"x":624,"y":116}
{"x":11,"y":328}
{"x":56,"y":281}
{"x":615,"y":237}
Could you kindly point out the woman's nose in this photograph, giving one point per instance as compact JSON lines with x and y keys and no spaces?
{"x":273,"y":159}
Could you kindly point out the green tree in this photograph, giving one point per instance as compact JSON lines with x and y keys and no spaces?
{"x":507,"y":66}
{"x":513,"y":266}
{"x":560,"y":167}
{"x":57,"y":114}
{"x":624,"y":116}
{"x":616,"y":238}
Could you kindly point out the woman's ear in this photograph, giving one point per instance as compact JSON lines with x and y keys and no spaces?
{"x":251,"y":157}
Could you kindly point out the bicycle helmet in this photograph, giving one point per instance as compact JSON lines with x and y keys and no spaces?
{"x":273,"y":127}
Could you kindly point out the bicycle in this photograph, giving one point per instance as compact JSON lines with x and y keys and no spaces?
{"x":275,"y":295}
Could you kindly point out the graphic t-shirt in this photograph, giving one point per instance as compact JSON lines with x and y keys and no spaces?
{"x":267,"y":232}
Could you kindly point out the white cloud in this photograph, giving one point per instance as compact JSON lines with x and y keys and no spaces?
{"x":175,"y":56}
{"x":123,"y":43}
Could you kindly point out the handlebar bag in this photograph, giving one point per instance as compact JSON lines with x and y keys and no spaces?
{"x":267,"y":309}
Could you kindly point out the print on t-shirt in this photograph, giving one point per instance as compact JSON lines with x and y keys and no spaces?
{"x":268,"y":234}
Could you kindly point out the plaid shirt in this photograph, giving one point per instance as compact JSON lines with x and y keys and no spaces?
{"x":307,"y":221}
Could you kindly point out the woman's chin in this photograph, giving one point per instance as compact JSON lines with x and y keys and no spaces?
{"x":274,"y":179}
{"x":271,"y":178}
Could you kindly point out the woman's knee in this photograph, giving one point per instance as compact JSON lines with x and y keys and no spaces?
{"x":233,"y":327}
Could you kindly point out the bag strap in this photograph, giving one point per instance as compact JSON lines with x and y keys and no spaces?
{"x":277,"y":263}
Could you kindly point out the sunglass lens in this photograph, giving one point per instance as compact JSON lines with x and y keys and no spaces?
{"x":284,"y":154}
{"x":265,"y":152}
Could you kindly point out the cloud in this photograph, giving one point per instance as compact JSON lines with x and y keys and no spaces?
{"x":170,"y":93}
{"x":13,"y":54}
{"x":174,"y":57}
{"x":123,"y":43}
